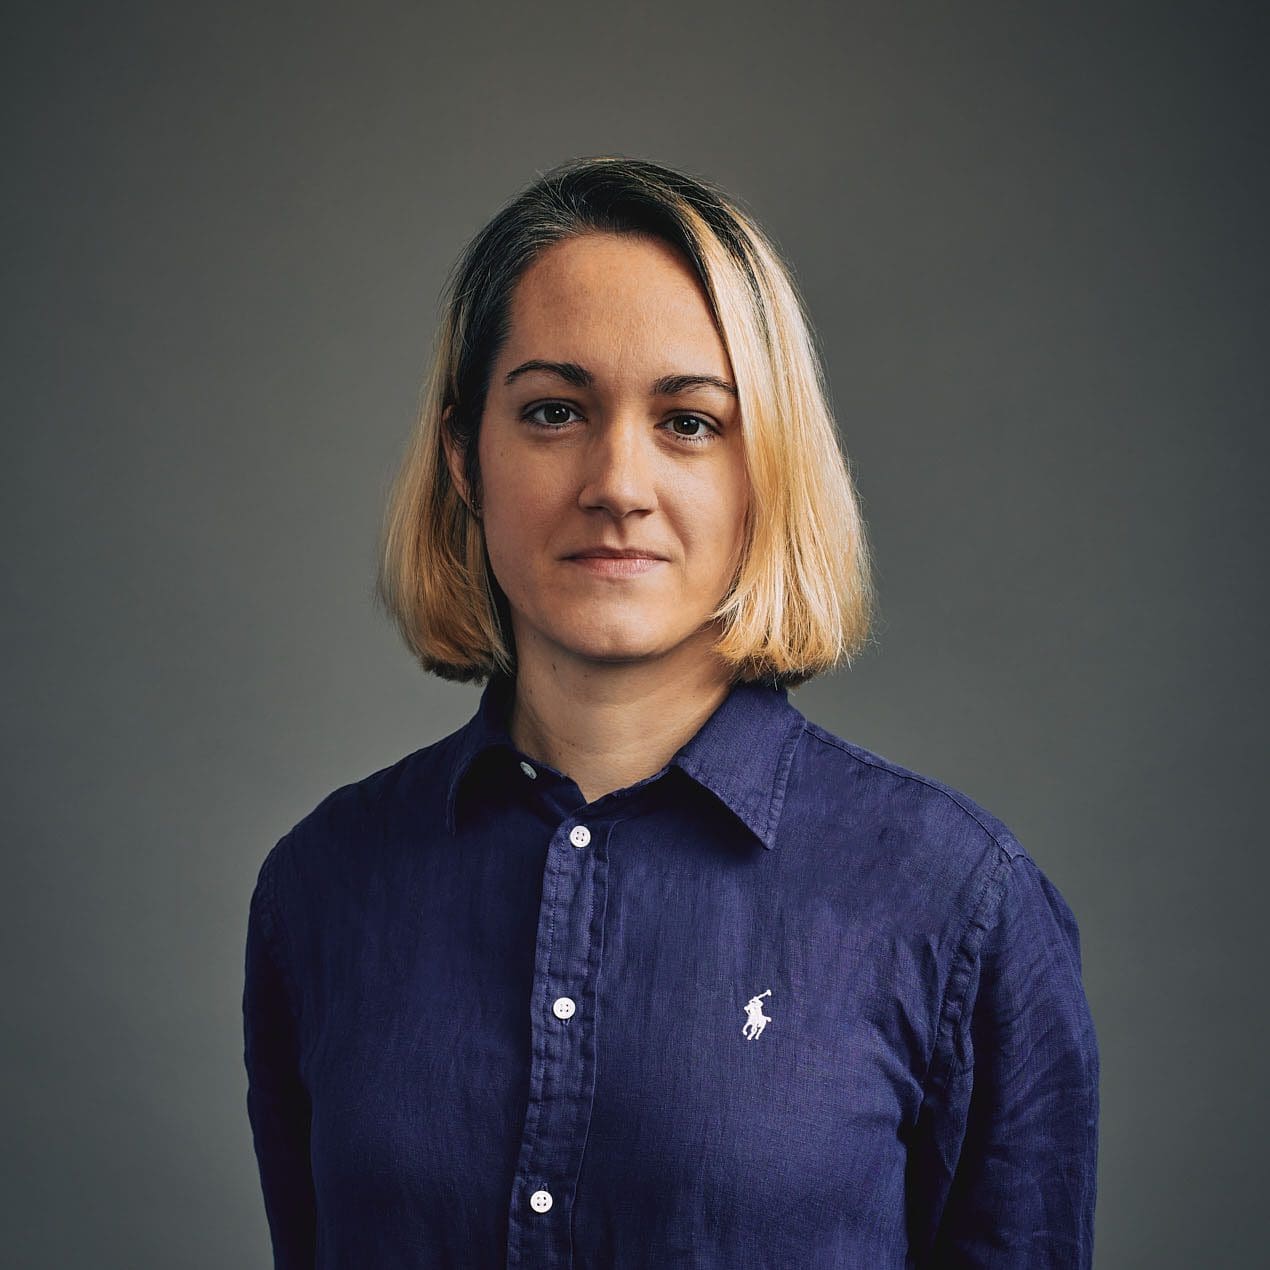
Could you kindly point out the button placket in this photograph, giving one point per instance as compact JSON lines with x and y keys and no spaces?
{"x":563,"y":1048}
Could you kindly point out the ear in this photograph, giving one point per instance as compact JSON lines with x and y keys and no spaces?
{"x":453,"y":457}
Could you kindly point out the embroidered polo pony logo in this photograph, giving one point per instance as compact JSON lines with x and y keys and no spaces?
{"x":755,"y":1019}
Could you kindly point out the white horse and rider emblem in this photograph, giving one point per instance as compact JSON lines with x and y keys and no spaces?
{"x":755,"y":1019}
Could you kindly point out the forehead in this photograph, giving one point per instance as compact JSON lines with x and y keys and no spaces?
{"x":614,"y":299}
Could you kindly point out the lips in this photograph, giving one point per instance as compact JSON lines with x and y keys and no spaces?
{"x":615,"y":565}
{"x":614,"y":553}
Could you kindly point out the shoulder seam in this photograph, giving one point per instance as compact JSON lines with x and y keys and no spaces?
{"x":965,"y":953}
{"x":893,"y":769}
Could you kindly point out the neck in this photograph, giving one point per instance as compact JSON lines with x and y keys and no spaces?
{"x":607,"y":725}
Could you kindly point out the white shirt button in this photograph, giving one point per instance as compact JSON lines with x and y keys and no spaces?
{"x":563,"y":1007}
{"x":529,"y":771}
{"x":540,"y":1201}
{"x":579,"y":835}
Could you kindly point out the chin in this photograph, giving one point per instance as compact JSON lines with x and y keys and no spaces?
{"x":620,"y":641}
{"x":616,"y":650}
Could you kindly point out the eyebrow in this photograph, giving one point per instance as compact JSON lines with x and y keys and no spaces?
{"x":580,"y":377}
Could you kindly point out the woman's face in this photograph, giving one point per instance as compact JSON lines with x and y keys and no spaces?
{"x":587,"y":442}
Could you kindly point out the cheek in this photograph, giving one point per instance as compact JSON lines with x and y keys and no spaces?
{"x":521,"y":496}
{"x":521,"y":531}
{"x":713,"y":523}
{"x":531,"y":483}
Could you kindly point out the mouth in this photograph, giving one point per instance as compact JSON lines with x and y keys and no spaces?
{"x":615,"y":566}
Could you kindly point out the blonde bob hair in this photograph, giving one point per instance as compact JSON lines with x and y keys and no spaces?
{"x":802,"y":597}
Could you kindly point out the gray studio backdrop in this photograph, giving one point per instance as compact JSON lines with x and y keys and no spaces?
{"x":1031,"y":238}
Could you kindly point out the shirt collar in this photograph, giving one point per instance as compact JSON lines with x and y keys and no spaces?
{"x":741,"y":754}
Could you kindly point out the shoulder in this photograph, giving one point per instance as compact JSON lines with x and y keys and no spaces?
{"x":348,"y":823}
{"x":924,"y":825}
{"x":870,"y":786}
{"x":950,"y":857}
{"x":945,"y":852}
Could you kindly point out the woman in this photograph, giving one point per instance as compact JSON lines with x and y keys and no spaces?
{"x":641,"y":967}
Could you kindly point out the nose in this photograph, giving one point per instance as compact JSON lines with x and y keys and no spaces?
{"x":619,"y":467}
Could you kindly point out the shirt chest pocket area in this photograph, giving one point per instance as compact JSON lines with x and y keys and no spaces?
{"x":786,"y":1100}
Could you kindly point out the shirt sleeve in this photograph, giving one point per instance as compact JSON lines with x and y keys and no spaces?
{"x":277,"y":1102}
{"x":1013,"y":1103}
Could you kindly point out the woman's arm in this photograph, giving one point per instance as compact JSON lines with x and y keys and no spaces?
{"x":277,"y":1102}
{"x":1015,"y":1112}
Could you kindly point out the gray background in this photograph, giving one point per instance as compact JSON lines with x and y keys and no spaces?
{"x":1032,"y":241}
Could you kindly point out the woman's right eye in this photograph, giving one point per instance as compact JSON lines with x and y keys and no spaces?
{"x":559,"y":407}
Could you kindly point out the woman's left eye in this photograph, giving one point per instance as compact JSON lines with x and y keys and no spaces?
{"x":705,"y":436}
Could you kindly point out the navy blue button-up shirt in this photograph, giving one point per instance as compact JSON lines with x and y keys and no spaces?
{"x":783,"y":1003}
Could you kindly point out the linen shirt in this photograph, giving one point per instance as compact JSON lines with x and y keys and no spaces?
{"x":783,"y":1003}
